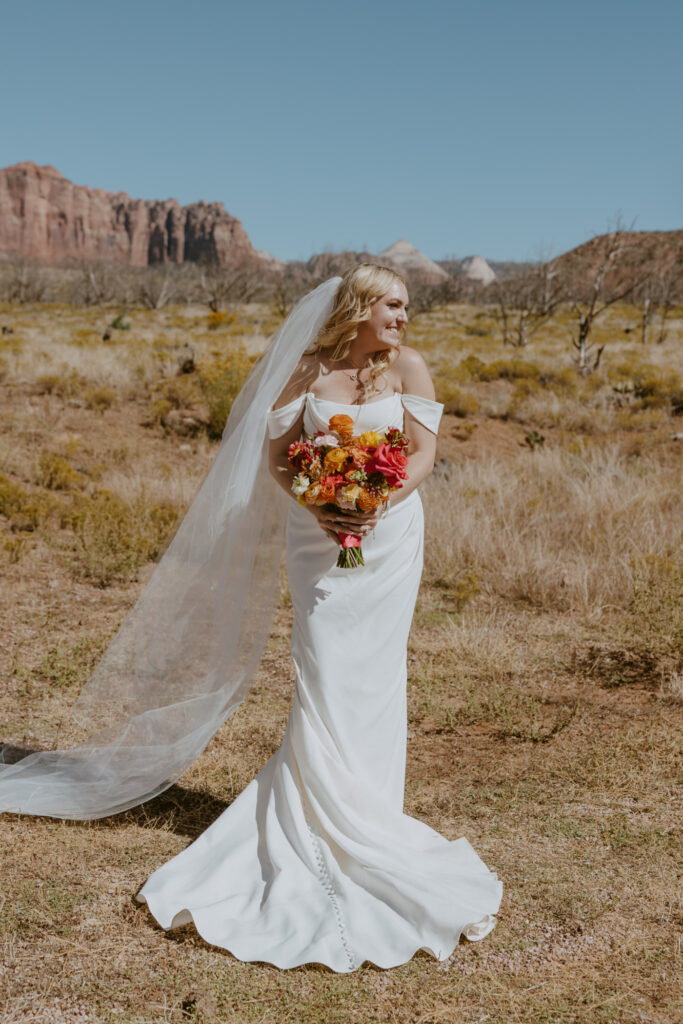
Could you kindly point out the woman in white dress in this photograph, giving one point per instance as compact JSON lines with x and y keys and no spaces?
{"x":315,"y":861}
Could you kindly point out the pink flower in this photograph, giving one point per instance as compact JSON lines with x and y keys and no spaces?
{"x":326,"y":440}
{"x":391,"y":463}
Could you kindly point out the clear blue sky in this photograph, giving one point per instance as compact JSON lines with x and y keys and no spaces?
{"x":494,"y":127}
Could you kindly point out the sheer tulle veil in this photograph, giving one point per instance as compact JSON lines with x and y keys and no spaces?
{"x":185,"y":655}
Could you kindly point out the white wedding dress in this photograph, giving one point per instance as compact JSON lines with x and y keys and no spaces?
{"x":315,"y":861}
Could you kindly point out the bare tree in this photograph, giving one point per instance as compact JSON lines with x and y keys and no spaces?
{"x":427,"y":294}
{"x":285,"y":289}
{"x":25,"y":280}
{"x":657,"y":297}
{"x":95,"y":284}
{"x":229,"y":286}
{"x":157,"y":286}
{"x":606,"y":272}
{"x":527,"y":300}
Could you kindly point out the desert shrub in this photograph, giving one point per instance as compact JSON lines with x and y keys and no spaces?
{"x":4,"y":368}
{"x":526,"y":387}
{"x":13,"y":547}
{"x":660,"y":391}
{"x":470,"y":366}
{"x":56,"y":473}
{"x":630,"y":369}
{"x":499,"y":369}
{"x":64,"y":385}
{"x":456,"y":401}
{"x":24,"y":510}
{"x":119,"y":322}
{"x":159,"y":410}
{"x":221,"y":380}
{"x":511,"y":369}
{"x":563,"y":381}
{"x":182,"y":392}
{"x":649,"y":386}
{"x":12,"y":344}
{"x":218,"y":318}
{"x":100,"y":398}
{"x":85,"y":337}
{"x":113,"y":538}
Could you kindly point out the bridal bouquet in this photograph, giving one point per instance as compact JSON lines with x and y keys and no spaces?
{"x":351,"y":473}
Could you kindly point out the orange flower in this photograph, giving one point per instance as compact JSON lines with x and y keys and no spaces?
{"x":335,"y":460}
{"x":368,"y":502}
{"x":359,"y":455}
{"x":342,"y":425}
{"x":327,"y":493}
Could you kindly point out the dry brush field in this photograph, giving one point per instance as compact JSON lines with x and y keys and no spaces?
{"x":546,"y":668}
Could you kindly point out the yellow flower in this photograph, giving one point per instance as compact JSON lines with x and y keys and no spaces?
{"x":335,"y":460}
{"x":371,"y":438}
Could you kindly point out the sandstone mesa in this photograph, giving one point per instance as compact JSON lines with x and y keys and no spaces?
{"x":44,"y":216}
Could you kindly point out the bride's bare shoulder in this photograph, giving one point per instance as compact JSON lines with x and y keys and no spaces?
{"x":301,"y":381}
{"x":413,"y":373}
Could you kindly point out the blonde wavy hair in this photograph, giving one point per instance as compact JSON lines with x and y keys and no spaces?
{"x":359,"y":288}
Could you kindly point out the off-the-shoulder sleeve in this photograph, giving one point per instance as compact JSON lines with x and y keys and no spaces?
{"x":427,"y":412}
{"x":282,"y":420}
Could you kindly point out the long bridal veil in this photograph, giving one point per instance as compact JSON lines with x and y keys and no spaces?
{"x":185,"y":655}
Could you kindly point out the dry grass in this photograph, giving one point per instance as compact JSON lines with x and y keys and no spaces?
{"x":545,"y":675}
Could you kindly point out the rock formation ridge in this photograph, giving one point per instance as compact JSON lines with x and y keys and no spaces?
{"x":46,"y":217}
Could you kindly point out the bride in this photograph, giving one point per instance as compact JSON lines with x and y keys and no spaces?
{"x":315,"y":860}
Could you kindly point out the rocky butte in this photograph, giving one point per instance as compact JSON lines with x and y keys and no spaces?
{"x":46,"y":217}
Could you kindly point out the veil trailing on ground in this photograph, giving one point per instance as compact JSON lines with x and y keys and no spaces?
{"x":185,"y":655}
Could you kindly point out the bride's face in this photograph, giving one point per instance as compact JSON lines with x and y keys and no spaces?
{"x":388,"y":317}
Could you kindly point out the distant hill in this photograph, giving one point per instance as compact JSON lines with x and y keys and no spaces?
{"x":501,"y":268}
{"x":408,"y":260}
{"x":654,"y":253}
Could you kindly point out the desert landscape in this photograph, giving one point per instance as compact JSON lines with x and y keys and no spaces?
{"x":545,"y":662}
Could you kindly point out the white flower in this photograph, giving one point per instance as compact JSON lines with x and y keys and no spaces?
{"x":329,"y":440}
{"x":300,"y":484}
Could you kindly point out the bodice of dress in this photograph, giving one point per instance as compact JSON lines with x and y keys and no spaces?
{"x":378,"y":415}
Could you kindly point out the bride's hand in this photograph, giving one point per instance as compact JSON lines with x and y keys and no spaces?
{"x":332,"y":521}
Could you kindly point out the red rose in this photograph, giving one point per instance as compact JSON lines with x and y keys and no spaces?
{"x":390,"y":462}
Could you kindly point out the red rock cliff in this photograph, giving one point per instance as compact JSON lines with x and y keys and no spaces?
{"x":46,"y":217}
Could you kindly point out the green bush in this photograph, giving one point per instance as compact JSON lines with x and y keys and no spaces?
{"x":63,"y":385}
{"x":57,"y":474}
{"x":221,"y":380}
{"x":113,"y":537}
{"x":100,"y":398}
{"x":456,"y":401}
{"x":505,"y":369}
{"x":24,"y":510}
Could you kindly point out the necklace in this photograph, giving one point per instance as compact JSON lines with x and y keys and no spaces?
{"x":354,"y":373}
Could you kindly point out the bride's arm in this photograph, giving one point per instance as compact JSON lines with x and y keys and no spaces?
{"x":415,"y":380}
